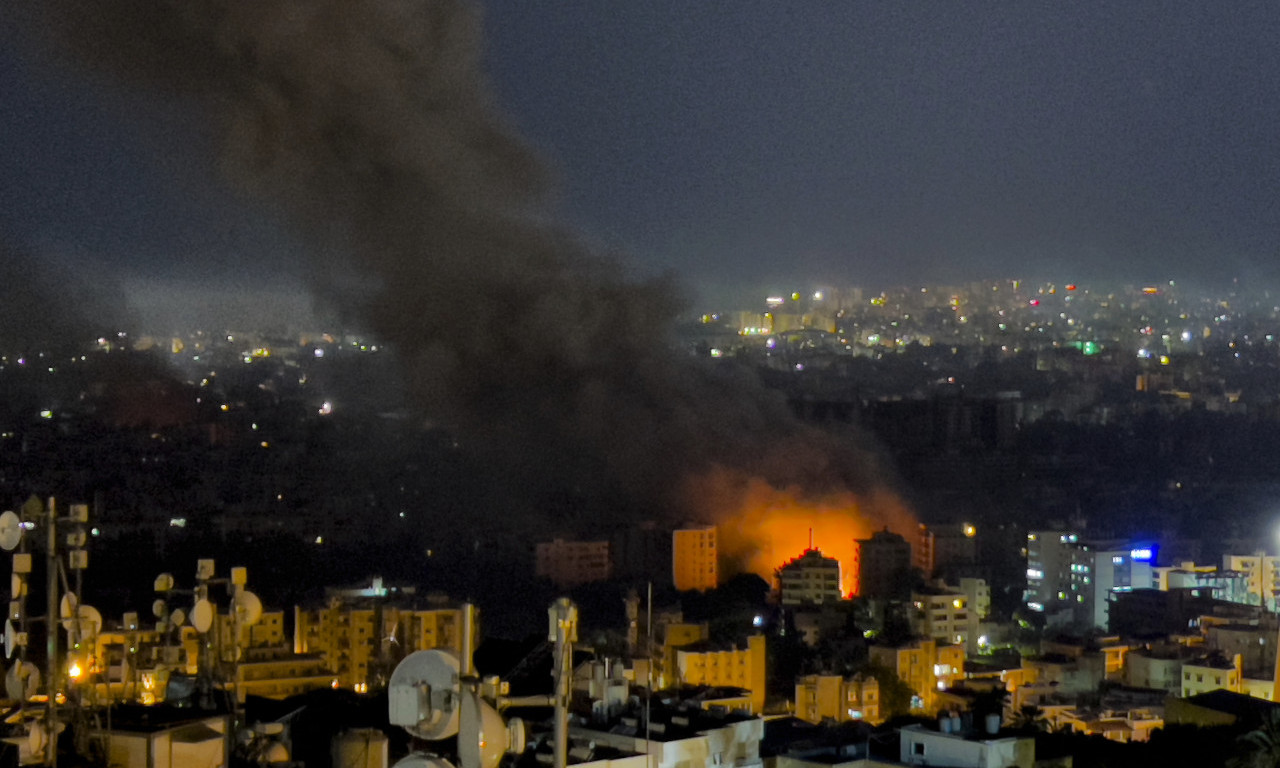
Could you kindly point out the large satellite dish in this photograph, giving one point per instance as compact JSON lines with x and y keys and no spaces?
{"x":248,"y":608}
{"x":202,"y":615}
{"x":423,"y":694}
{"x":482,"y":735}
{"x":177,"y":617}
{"x":10,"y":531}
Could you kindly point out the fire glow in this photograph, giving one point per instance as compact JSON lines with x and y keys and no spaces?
{"x":762,"y":527}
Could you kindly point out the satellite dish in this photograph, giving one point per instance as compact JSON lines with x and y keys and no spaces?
{"x":202,"y":615}
{"x":67,"y":610}
{"x":482,"y":735}
{"x":22,"y":681}
{"x":158,"y":609}
{"x":177,"y":617}
{"x":10,"y":635}
{"x":419,"y":760}
{"x":423,"y":693}
{"x":17,"y":586}
{"x":10,"y":530}
{"x":90,"y":621}
{"x":164,"y":582}
{"x":248,"y":608}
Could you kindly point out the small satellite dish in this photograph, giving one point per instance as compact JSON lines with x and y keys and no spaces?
{"x":159,"y":608}
{"x":67,"y":610}
{"x":10,"y":635}
{"x":202,"y":615}
{"x":248,"y":608}
{"x":482,"y":735}
{"x":268,"y":729}
{"x":10,"y":530}
{"x":17,"y":586}
{"x":164,"y":582}
{"x":423,"y":693}
{"x":90,"y":621}
{"x":177,"y":617}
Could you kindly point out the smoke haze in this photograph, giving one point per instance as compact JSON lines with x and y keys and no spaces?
{"x":370,"y":126}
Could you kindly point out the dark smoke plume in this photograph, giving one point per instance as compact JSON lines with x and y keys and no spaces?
{"x":370,"y":124}
{"x":45,"y":308}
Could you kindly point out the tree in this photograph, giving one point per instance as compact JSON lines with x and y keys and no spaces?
{"x":895,"y":694}
{"x":1260,"y":748}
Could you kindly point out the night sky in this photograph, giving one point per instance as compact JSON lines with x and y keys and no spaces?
{"x":754,"y":143}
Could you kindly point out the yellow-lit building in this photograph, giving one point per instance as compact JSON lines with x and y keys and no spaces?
{"x":570,"y":563}
{"x":357,"y":642}
{"x":832,"y":697}
{"x":694,"y":559}
{"x":735,"y":667}
{"x":925,"y":666}
{"x":275,"y":674}
{"x":1211,"y":674}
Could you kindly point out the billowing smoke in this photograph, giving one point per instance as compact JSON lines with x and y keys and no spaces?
{"x":369,"y":125}
{"x":45,"y":308}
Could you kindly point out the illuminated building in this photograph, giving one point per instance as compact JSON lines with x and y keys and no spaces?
{"x":810,"y":579}
{"x":694,"y":558}
{"x":278,"y":674}
{"x":945,"y":548}
{"x":883,"y":563}
{"x":945,"y":614}
{"x":733,"y":667}
{"x":1212,"y":673}
{"x":570,"y":563}
{"x":1207,"y":581}
{"x":924,"y":665}
{"x":353,"y":640}
{"x":1262,"y":575}
{"x":1074,"y":581}
{"x":833,"y":697}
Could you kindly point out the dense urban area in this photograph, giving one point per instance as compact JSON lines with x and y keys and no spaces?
{"x":264,"y":523}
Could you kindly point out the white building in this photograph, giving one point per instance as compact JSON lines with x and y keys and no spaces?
{"x":1073,"y":580}
{"x":923,"y":746}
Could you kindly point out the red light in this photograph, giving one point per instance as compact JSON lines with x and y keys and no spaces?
{"x":1034,"y":302}
{"x":1071,"y":287}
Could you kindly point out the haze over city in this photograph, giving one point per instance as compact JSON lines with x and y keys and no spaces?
{"x":917,"y":363}
{"x":747,"y":147}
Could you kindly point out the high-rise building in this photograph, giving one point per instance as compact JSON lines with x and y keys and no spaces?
{"x":1073,"y":581}
{"x":694,"y":558}
{"x":811,"y":579}
{"x":1262,"y":574}
{"x":570,"y":563}
{"x":883,"y":563}
{"x":945,"y":614}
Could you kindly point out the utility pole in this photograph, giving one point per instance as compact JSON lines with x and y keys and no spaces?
{"x":51,"y":633}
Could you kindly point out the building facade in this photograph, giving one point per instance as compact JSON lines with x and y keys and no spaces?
{"x":695,"y":558}
{"x":811,"y":579}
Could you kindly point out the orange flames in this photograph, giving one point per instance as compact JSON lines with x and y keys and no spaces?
{"x":761,"y":527}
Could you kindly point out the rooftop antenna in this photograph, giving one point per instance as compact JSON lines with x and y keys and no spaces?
{"x":810,"y":537}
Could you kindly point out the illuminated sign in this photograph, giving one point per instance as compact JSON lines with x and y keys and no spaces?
{"x":1142,"y":555}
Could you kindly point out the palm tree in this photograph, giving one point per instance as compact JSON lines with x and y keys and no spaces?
{"x":1260,"y":748}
